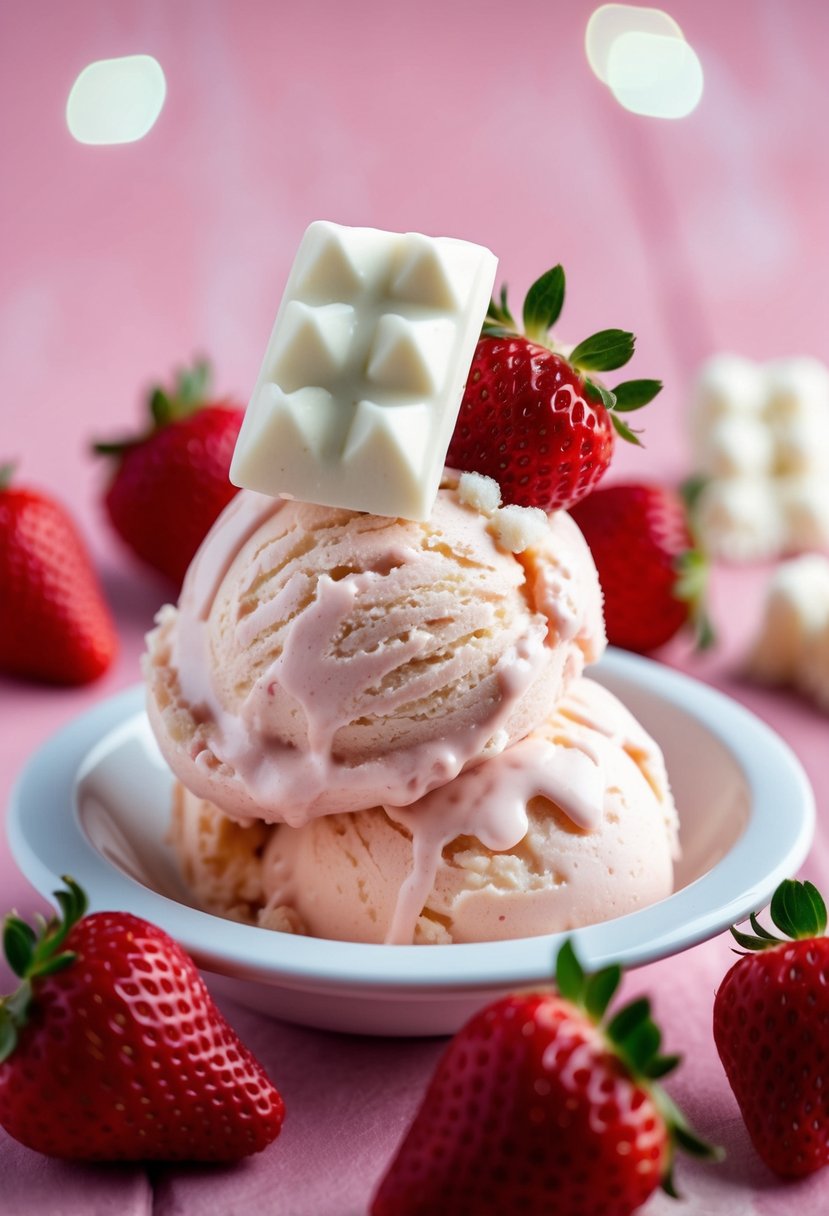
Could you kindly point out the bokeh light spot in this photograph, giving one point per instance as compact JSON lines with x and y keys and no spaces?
{"x":655,"y":76}
{"x":612,"y":20}
{"x":116,"y":101}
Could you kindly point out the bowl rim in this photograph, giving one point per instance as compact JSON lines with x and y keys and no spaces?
{"x":47,"y":840}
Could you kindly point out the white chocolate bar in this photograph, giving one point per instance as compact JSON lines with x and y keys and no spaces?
{"x":364,"y":372}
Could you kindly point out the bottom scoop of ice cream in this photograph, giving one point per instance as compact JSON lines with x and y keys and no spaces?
{"x":324,"y":660}
{"x":572,"y":826}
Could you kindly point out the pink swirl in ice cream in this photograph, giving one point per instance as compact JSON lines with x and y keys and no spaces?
{"x":323,"y":660}
{"x":571,"y":825}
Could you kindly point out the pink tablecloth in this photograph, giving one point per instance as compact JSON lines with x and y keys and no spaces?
{"x":118,"y":262}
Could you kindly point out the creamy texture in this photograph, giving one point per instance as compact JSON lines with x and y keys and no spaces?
{"x":324,"y":661}
{"x":573,"y":825}
{"x":220,"y":859}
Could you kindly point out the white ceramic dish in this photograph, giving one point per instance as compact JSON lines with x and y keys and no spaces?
{"x":94,"y":802}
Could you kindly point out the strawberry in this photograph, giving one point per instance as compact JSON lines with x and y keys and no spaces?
{"x":530,"y":416}
{"x":170,"y":483}
{"x":55,"y":624}
{"x":652,"y":577}
{"x":543,"y":1106}
{"x":111,"y":1049}
{"x":770,"y":1018}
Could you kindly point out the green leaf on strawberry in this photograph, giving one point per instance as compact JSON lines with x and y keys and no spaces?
{"x":597,"y":392}
{"x":189,"y":394}
{"x":543,"y":304}
{"x":797,"y":910}
{"x":624,"y":431}
{"x":604,"y":351}
{"x":634,"y":394}
{"x":32,"y":957}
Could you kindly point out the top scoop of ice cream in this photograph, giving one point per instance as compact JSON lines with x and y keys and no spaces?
{"x":324,"y":660}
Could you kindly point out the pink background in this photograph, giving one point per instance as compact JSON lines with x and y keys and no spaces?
{"x":472,"y":119}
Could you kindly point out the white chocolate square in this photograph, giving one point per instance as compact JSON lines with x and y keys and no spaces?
{"x":364,"y":372}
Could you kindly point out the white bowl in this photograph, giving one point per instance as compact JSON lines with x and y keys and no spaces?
{"x":94,"y":802}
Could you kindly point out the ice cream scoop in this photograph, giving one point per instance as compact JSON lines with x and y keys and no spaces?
{"x":323,"y":660}
{"x":573,"y":825}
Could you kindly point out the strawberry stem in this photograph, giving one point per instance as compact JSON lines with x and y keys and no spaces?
{"x":189,"y":393}
{"x":32,"y":956}
{"x":797,"y":909}
{"x":691,"y":586}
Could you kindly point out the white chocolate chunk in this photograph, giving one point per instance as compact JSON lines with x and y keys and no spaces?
{"x":760,"y":435}
{"x":801,"y":444}
{"x":515,"y":528}
{"x":481,"y":492}
{"x":796,"y":388}
{"x":362,"y":380}
{"x":804,"y":507}
{"x":735,"y":446}
{"x":792,"y":646}
{"x":738,"y":519}
{"x":520,"y":528}
{"x":727,"y":385}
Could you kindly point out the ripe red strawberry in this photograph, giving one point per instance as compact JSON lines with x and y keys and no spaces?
{"x":652,"y":577}
{"x":530,"y":416}
{"x":540,"y":1105}
{"x":111,"y":1049}
{"x":771,"y":1013}
{"x":171,"y":482}
{"x":54,"y":621}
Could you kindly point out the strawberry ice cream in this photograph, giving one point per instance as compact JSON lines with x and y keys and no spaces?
{"x":383,"y":733}
{"x":373,"y":698}
{"x":323,"y":660}
{"x":572,"y":825}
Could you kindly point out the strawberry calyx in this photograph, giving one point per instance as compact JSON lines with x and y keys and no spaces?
{"x":797,"y":909}
{"x":33,"y":955}
{"x":693,"y":569}
{"x":190,"y":392}
{"x":6,"y":475}
{"x":605,"y":351}
{"x":635,"y":1038}
{"x":691,"y":587}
